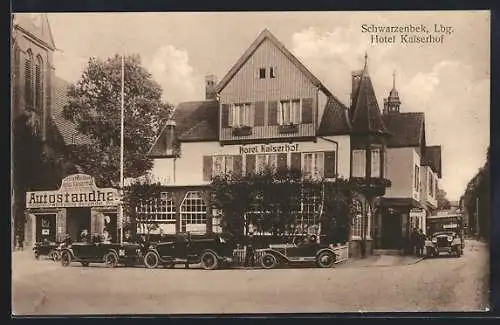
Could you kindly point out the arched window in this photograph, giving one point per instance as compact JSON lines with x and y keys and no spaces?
{"x":193,"y":213}
{"x":39,"y":85}
{"x":28,"y":80}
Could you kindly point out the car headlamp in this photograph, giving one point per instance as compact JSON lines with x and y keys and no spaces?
{"x":450,"y":238}
{"x":434,"y":240}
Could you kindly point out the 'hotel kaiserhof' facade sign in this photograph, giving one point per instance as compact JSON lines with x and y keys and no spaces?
{"x":78,"y":190}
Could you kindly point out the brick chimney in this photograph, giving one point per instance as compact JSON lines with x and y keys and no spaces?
{"x":170,"y":136}
{"x":210,"y":83}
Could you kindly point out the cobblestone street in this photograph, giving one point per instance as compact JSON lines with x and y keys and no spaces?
{"x":444,"y":284}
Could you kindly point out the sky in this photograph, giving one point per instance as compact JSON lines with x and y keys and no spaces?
{"x":449,"y":81}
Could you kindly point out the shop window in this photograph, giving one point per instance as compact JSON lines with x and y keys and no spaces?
{"x":193,"y":212}
{"x":289,"y":112}
{"x":241,"y":115}
{"x":314,"y":164}
{"x":358,"y":163}
{"x":262,"y":162}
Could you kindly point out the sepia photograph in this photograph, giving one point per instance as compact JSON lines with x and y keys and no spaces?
{"x":193,"y":163}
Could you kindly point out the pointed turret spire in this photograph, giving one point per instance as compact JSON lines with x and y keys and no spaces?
{"x":392,"y":103}
{"x":366,"y":61}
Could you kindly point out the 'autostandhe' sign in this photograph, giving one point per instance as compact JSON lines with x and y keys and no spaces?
{"x":77,"y":190}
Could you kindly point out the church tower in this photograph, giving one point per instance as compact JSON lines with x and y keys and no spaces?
{"x":392,"y":103}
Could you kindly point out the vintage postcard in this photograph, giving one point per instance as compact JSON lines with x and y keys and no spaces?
{"x":250,"y":162}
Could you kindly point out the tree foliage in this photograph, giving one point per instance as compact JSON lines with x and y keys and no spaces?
{"x":442,"y":202}
{"x":95,"y":107}
{"x":476,"y":200}
{"x":271,"y":201}
{"x":141,"y":191}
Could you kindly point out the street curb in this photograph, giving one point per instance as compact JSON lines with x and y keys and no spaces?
{"x":349,"y":265}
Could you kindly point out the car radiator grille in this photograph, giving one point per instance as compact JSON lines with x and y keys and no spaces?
{"x":442,"y":242}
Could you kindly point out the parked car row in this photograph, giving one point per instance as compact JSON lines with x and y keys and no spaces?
{"x":211,"y":251}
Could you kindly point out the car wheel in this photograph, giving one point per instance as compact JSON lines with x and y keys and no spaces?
{"x":37,"y":256}
{"x":111,"y":259}
{"x":325,"y":259}
{"x":151,"y":260}
{"x":85,"y":263}
{"x":459,"y":252}
{"x":268,"y":261}
{"x":209,"y":261}
{"x":66,"y":259}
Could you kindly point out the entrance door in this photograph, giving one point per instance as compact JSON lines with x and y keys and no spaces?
{"x":391,"y":231}
{"x":45,"y":227}
{"x":77,"y":219}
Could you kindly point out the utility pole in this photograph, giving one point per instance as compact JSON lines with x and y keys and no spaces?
{"x":121,"y":150}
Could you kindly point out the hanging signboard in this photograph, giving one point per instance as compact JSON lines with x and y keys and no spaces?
{"x":78,"y":190}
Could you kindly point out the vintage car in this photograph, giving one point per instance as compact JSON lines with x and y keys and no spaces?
{"x":211,"y":251}
{"x":46,"y":248}
{"x":445,"y":235}
{"x":444,"y":242}
{"x":300,"y":251}
{"x":112,"y":254}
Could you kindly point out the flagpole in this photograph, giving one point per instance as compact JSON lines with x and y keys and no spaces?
{"x":121,"y":151}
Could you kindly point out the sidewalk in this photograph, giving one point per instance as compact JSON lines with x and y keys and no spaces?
{"x":381,"y":260}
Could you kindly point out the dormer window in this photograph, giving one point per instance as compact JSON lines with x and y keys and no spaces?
{"x":289,"y":112}
{"x":262,"y":73}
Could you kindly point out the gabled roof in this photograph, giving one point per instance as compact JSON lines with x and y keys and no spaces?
{"x":335,"y":119}
{"x":66,"y":128}
{"x":432,"y":158}
{"x":365,"y":113}
{"x":36,"y":24}
{"x":267,"y":35}
{"x":195,"y":121}
{"x":407,"y":129}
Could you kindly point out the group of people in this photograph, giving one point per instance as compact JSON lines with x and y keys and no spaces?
{"x":417,"y":241}
{"x":105,"y":237}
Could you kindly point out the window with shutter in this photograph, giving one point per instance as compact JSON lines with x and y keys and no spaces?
{"x":314,"y":164}
{"x":207,"y":168}
{"x":330,"y":164}
{"x":289,"y":112}
{"x":237,"y":165}
{"x":295,"y":161}
{"x":250,"y":164}
{"x":272,"y":117}
{"x":259,"y":113}
{"x":225,"y":115}
{"x":307,"y":110}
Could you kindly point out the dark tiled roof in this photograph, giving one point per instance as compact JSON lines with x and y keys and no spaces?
{"x":66,"y":128}
{"x":335,"y":119}
{"x":195,"y":121}
{"x":266,"y":34}
{"x":366,"y":115}
{"x":432,"y":157}
{"x":407,"y":129}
